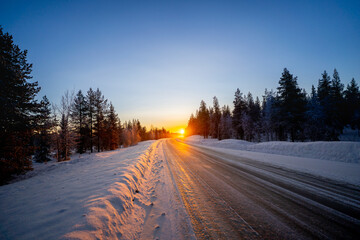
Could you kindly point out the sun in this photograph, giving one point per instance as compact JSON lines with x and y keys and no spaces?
{"x":182,"y":131}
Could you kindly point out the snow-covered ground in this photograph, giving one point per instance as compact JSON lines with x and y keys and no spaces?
{"x":109,"y":195}
{"x":131,"y":193}
{"x":335,"y":160}
{"x":331,"y":151}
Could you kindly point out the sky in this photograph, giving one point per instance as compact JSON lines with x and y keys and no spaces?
{"x":156,"y":60}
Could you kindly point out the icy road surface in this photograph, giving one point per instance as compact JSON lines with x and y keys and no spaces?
{"x":230,"y":197}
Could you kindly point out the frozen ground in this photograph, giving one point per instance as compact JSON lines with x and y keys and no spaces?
{"x":109,"y":195}
{"x":335,"y":160}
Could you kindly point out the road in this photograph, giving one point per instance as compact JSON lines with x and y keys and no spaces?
{"x":228,"y":197}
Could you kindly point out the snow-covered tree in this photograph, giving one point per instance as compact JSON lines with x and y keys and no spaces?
{"x":225,"y":127}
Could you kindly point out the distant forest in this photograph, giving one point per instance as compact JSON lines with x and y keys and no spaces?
{"x":32,"y":129}
{"x":289,"y":114}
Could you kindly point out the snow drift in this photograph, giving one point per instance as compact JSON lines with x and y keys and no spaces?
{"x":333,"y":151}
{"x":88,"y":197}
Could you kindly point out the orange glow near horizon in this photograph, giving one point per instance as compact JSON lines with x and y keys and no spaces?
{"x":177,"y":129}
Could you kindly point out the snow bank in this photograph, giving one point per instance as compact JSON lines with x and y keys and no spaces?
{"x":88,"y":197}
{"x":332,"y":151}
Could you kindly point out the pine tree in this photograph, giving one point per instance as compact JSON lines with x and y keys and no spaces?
{"x":112,"y":120}
{"x":215,"y":119}
{"x":238,"y":112}
{"x":18,"y":108}
{"x":90,"y":99}
{"x":337,"y":105}
{"x":204,"y":119}
{"x":79,"y":112}
{"x":352,"y":109}
{"x":192,"y":126}
{"x":292,"y":106}
{"x":100,"y":104}
{"x":324,"y":88}
{"x":325,"y":108}
{"x":42,"y":153}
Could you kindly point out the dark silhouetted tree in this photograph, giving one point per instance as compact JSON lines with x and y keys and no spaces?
{"x":18,"y":108}
{"x":43,"y":138}
{"x":79,"y":113}
{"x":238,"y":112}
{"x":292,"y":106}
{"x":100,"y":104}
{"x":90,"y":99}
{"x":112,"y":128}
{"x":204,"y":119}
{"x":215,"y":119}
{"x":352,"y":106}
{"x":337,"y":106}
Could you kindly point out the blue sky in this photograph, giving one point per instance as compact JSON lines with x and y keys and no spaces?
{"x":156,"y":60}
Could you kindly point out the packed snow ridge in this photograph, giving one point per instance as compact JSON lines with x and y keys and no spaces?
{"x":332,"y":151}
{"x":85,"y":198}
{"x":121,"y":194}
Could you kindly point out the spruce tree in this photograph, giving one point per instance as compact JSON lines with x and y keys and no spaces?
{"x":18,"y":108}
{"x":324,"y":98}
{"x":352,"y":106}
{"x":337,"y":105}
{"x":292,"y":105}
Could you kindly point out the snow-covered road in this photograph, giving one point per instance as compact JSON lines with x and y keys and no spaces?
{"x":231,"y":197}
{"x":168,"y":189}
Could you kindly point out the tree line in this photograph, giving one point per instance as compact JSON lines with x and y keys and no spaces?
{"x":288,"y":114}
{"x":32,"y":129}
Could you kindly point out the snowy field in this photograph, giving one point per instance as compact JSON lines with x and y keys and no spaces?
{"x":105,"y":195}
{"x":335,"y":160}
